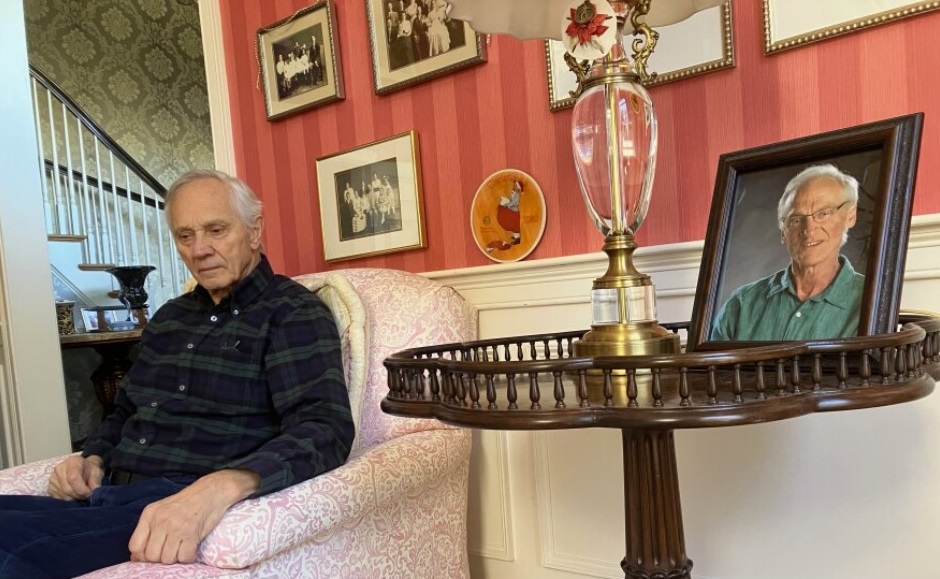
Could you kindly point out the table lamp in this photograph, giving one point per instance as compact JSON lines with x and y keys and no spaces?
{"x":614,"y":141}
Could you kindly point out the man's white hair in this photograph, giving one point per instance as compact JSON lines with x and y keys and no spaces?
{"x":828,"y":171}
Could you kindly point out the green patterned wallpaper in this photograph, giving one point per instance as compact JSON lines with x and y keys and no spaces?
{"x":136,"y":67}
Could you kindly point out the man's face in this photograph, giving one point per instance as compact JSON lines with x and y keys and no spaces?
{"x":211,"y":238}
{"x":810,"y":240}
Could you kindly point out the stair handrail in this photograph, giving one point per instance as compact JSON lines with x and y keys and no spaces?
{"x":93,"y":181}
{"x":100,"y":133}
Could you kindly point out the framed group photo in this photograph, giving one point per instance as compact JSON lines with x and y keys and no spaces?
{"x":370,"y":199}
{"x":700,"y":44}
{"x":300,"y":62}
{"x":416,"y":40}
{"x":758,"y":236}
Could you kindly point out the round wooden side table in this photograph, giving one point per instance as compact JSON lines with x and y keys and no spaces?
{"x":535,"y":382}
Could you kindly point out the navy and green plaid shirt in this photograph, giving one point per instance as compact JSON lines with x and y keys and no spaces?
{"x":255,"y":382}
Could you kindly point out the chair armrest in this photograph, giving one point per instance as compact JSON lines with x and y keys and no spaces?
{"x":409,"y":465}
{"x":29,"y":479}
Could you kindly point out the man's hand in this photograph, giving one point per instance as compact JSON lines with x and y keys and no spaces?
{"x":75,"y":477}
{"x":170,"y":530}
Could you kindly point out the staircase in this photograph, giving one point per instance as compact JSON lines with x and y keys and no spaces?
{"x":102,"y":208}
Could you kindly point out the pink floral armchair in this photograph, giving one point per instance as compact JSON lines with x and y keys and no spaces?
{"x":383,"y":513}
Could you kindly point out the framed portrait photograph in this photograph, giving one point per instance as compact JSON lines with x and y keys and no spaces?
{"x":791,"y":23}
{"x":700,"y":44}
{"x":415,"y":40}
{"x":299,"y":60}
{"x":370,"y":199}
{"x":807,"y":238}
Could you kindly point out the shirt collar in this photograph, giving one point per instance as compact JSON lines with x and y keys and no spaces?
{"x":839,"y":286}
{"x":244,"y":292}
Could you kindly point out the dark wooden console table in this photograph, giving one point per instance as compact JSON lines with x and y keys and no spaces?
{"x":535,"y":382}
{"x":115,"y":349}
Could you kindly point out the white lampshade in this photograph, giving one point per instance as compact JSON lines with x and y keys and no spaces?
{"x":527,"y":19}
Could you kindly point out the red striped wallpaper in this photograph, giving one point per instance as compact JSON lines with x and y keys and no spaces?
{"x":495,"y":116}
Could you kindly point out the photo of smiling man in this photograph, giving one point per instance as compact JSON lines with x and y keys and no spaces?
{"x":818,"y":295}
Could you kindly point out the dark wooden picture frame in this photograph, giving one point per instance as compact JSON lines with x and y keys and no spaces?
{"x":742,"y":242}
{"x":300,"y":62}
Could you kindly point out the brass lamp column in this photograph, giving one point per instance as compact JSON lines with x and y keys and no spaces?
{"x":614,"y":140}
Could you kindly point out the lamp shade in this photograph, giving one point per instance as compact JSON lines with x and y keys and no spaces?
{"x":527,"y":19}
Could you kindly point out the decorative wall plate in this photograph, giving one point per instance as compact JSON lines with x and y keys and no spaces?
{"x":508,"y":215}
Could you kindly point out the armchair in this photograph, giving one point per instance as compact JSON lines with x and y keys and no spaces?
{"x":379,"y":515}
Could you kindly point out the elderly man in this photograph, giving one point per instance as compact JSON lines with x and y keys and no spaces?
{"x":238,"y":391}
{"x":818,"y":296}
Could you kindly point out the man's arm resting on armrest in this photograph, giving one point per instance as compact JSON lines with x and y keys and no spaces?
{"x":170,"y":530}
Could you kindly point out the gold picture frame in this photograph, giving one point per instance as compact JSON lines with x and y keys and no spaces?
{"x":792,"y":23}
{"x":299,"y":61}
{"x":370,"y":199}
{"x":411,"y":44}
{"x":700,"y":44}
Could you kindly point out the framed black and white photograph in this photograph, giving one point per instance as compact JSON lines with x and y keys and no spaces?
{"x":370,"y":199}
{"x":300,"y":62}
{"x":415,"y":40}
{"x":807,"y":238}
{"x":700,"y":44}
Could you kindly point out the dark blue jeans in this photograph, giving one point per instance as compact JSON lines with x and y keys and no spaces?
{"x":46,"y":538}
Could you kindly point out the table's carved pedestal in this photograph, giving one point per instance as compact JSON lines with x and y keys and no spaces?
{"x":535,"y":383}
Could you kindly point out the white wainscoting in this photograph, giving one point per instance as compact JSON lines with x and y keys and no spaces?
{"x":834,"y":496}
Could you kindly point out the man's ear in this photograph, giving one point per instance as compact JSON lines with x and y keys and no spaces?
{"x":852,"y":217}
{"x":255,"y":232}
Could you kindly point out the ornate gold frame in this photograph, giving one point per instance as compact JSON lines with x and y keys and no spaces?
{"x":387,"y":80}
{"x":862,"y":20}
{"x":320,"y":14}
{"x":341,"y":244}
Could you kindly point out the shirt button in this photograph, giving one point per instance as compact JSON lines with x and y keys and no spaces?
{"x":142,"y":441}
{"x":189,"y":346}
{"x":153,"y":404}
{"x":799,"y":314}
{"x":214,"y":318}
{"x":235,"y":312}
{"x":182,"y":387}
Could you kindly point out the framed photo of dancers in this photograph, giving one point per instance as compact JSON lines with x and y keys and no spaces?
{"x":299,"y":61}
{"x":370,"y":199}
{"x":415,"y":40}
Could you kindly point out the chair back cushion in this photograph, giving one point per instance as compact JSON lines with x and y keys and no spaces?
{"x":350,"y":318}
{"x":401,"y":310}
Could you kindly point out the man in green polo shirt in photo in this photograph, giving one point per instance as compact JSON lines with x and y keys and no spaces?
{"x":818,"y":295}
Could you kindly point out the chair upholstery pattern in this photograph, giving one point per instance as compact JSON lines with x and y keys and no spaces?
{"x":397,"y":508}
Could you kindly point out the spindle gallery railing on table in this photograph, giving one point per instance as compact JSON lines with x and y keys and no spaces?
{"x":538,"y":375}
